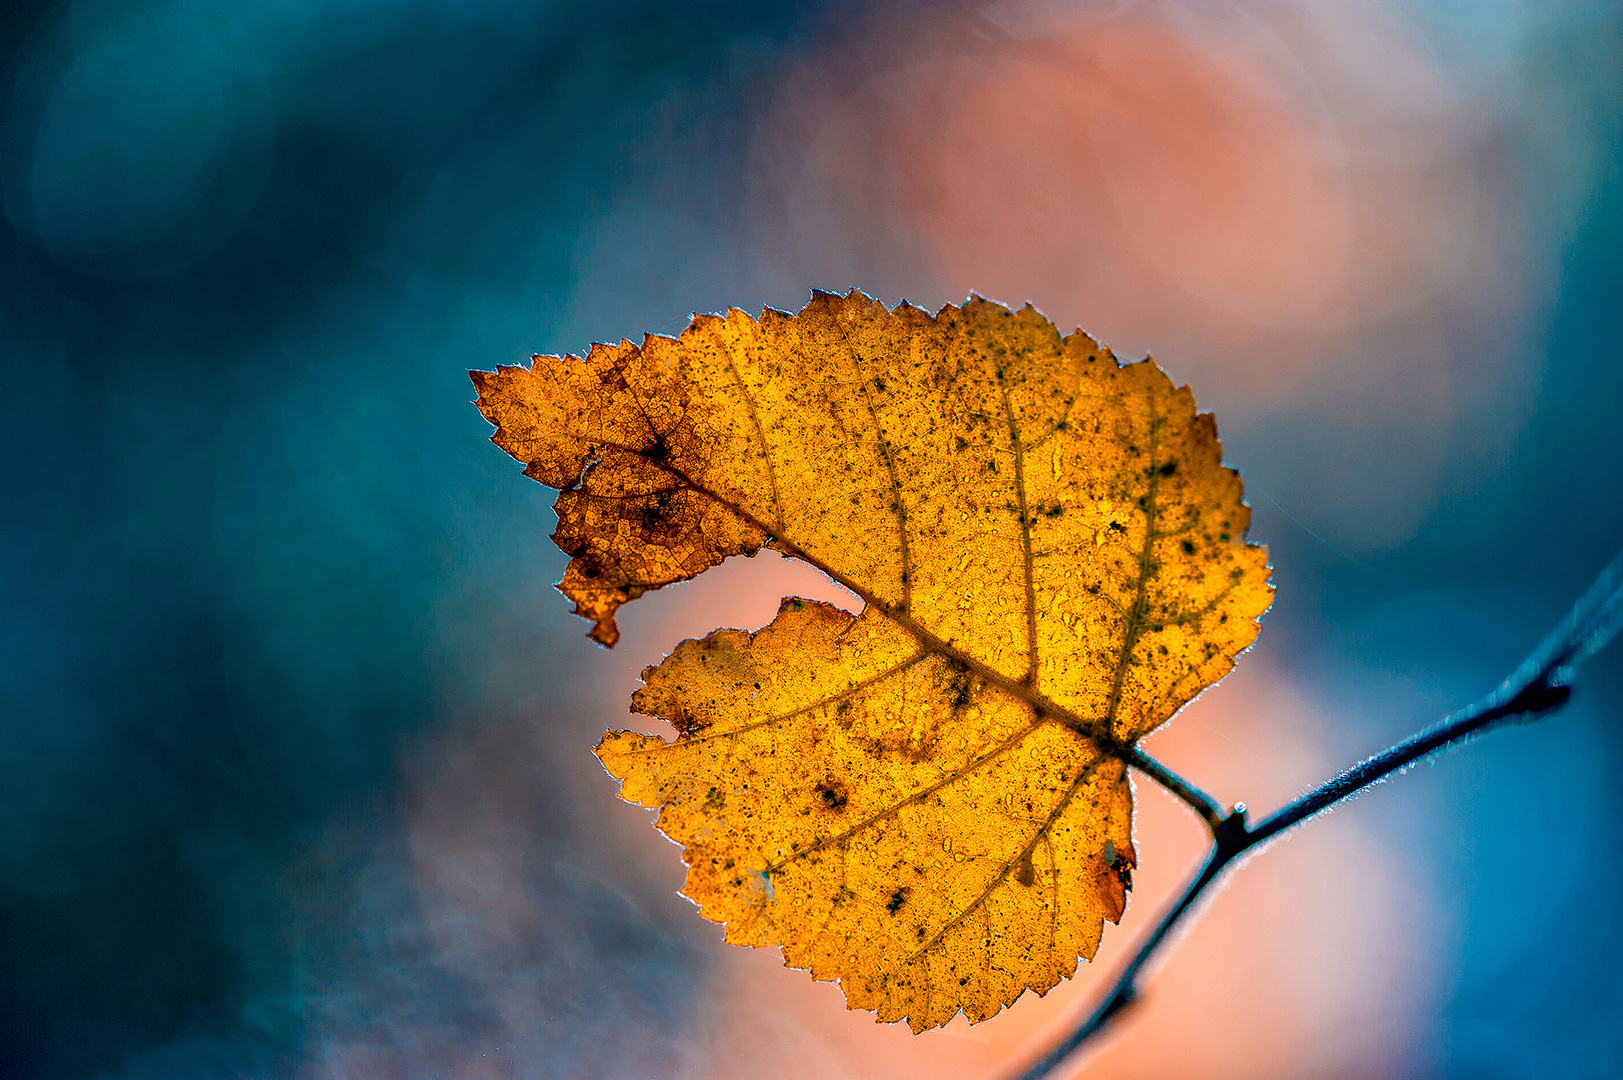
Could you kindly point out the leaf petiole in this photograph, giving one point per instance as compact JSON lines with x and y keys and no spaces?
{"x":1200,"y":802}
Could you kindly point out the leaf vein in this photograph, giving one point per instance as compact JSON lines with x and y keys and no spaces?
{"x":832,"y":699}
{"x":1025,"y":534}
{"x":760,"y":432}
{"x":1008,"y":867}
{"x":918,"y":796}
{"x":931,"y":642}
{"x":1135,"y":617}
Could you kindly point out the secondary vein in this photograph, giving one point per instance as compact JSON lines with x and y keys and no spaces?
{"x":1025,"y":534}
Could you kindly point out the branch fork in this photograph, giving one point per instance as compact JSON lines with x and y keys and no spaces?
{"x":1541,"y":685}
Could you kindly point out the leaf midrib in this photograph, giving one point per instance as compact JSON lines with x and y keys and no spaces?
{"x":1100,"y":732}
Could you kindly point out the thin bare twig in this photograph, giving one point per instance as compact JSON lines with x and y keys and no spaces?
{"x":1540,"y":686}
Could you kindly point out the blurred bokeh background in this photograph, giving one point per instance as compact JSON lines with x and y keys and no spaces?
{"x":295,"y":776}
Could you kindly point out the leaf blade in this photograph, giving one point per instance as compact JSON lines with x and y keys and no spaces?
{"x":1052,"y":561}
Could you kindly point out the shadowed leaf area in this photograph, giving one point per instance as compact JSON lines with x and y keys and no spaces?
{"x":925,"y":801}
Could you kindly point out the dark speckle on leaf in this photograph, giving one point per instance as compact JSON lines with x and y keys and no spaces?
{"x":832,"y":796}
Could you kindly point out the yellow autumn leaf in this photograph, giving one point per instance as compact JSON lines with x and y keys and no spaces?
{"x":926,"y":801}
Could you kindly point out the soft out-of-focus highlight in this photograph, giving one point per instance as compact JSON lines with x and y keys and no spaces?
{"x":1290,"y":207}
{"x":295,"y":770}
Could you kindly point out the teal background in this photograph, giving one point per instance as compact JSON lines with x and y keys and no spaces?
{"x":258,"y":560}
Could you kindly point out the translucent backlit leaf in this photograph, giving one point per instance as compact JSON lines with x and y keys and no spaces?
{"x":927,"y":800}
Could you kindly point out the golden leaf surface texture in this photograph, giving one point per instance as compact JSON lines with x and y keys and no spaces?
{"x":926,"y":801}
